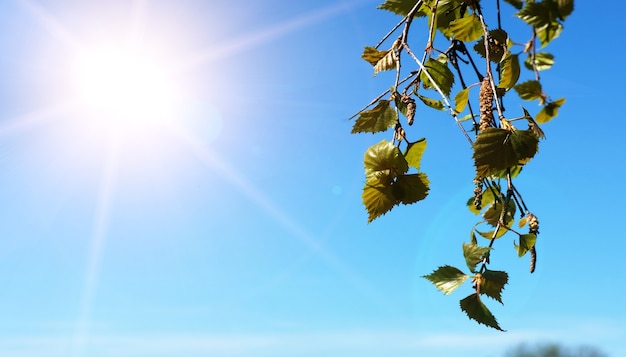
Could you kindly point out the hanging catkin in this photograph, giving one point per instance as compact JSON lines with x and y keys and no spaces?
{"x":485,"y":97}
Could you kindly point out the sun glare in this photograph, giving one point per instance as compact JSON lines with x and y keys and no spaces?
{"x":121,"y":88}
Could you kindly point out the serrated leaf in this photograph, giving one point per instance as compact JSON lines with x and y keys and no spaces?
{"x":492,"y":283}
{"x":529,"y":90}
{"x":498,"y":149}
{"x":549,"y":32}
{"x":460,"y":100}
{"x":447,"y":278}
{"x":384,"y":160}
{"x":565,"y":8}
{"x":510,"y":72}
{"x":372,"y":55}
{"x":474,"y":254}
{"x":526,"y":241}
{"x":447,"y":11}
{"x":516,"y":3}
{"x":536,"y":14}
{"x":532,"y":125}
{"x":386,"y":63}
{"x":549,"y":111}
{"x":433,"y":103}
{"x":477,"y":311}
{"x":493,"y":212}
{"x":414,"y":153}
{"x":402,"y":7}
{"x":498,"y":48}
{"x":441,"y":74}
{"x":543,"y":61}
{"x":489,"y":234}
{"x":411,"y":188}
{"x":377,"y":119}
{"x":378,"y":200}
{"x":467,"y":29}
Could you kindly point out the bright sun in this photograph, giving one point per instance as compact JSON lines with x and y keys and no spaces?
{"x":123,"y":88}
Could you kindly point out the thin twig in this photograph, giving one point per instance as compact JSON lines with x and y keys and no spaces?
{"x":443,"y":96}
{"x":382,"y":95}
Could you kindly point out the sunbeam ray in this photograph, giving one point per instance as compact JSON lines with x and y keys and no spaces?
{"x":54,"y":27}
{"x":96,"y":246}
{"x":31,"y":120}
{"x":206,"y":156}
{"x":264,"y":35}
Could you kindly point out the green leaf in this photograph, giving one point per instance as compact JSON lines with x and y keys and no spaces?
{"x":467,"y":29}
{"x":411,"y":188}
{"x":460,"y":100}
{"x":447,"y":278}
{"x":498,"y":48}
{"x":526,"y":241}
{"x":533,"y":126}
{"x":549,"y":111}
{"x":402,"y":7}
{"x":516,"y":3}
{"x":492,"y":283}
{"x":441,"y":74}
{"x":493,"y":212}
{"x":549,"y":32}
{"x":383,"y":162}
{"x":510,"y":72}
{"x":372,"y":55}
{"x":477,"y":311}
{"x":377,"y":119}
{"x":536,"y":14}
{"x":414,"y":153}
{"x":474,"y":254}
{"x":447,"y":11}
{"x":487,"y":199}
{"x":565,"y":8}
{"x":543,"y":61}
{"x":498,"y":149}
{"x":529,"y":90}
{"x":378,"y":200}
{"x":489,"y":234}
{"x":433,"y":103}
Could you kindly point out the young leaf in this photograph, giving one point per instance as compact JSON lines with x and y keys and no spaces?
{"x":372,"y":55}
{"x":387,"y":62}
{"x":384,"y":158}
{"x":489,"y":234}
{"x":543,"y":61}
{"x":498,"y":46}
{"x":549,"y":32}
{"x":414,"y":153}
{"x":510,"y":72}
{"x":498,"y":149}
{"x":460,"y":100}
{"x":565,"y":8}
{"x":433,"y":103}
{"x":467,"y":28}
{"x":474,"y":254}
{"x":447,"y":278}
{"x":526,"y":241}
{"x":533,"y":126}
{"x":441,"y":74}
{"x":402,"y":7}
{"x":411,"y":188}
{"x":377,"y":119}
{"x":550,"y":111}
{"x":529,"y":90}
{"x":492,"y":283}
{"x":476,"y":310}
{"x":378,"y":200}
{"x":493,"y":212}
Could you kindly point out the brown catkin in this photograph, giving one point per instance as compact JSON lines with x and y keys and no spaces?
{"x":533,"y":259}
{"x":485,"y":98}
{"x":410,"y":108}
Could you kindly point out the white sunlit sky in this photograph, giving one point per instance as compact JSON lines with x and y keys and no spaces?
{"x":217,"y":212}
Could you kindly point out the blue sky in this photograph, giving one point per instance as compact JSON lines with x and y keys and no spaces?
{"x":237,"y":229}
